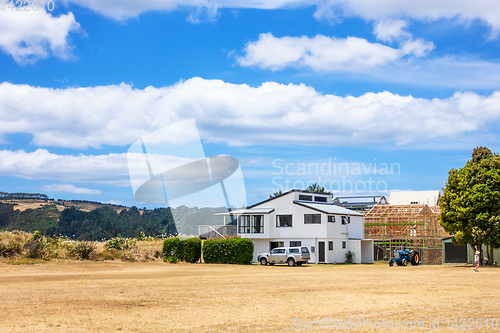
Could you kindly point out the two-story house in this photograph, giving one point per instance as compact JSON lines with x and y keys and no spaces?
{"x":303,"y":218}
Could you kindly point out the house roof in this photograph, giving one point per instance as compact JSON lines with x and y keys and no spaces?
{"x":259,"y":210}
{"x":328,"y":208}
{"x":285,"y":193}
{"x":429,"y":198}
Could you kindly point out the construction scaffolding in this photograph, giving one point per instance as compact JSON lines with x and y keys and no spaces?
{"x":405,"y":226}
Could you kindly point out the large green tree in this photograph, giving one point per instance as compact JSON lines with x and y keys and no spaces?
{"x":470,"y":205}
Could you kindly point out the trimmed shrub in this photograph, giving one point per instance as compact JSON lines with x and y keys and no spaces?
{"x":191,"y":249}
{"x":172,"y":248}
{"x":175,"y":249}
{"x":228,"y":251}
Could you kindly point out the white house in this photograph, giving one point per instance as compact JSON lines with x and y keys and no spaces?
{"x":429,"y":198}
{"x":303,"y":218}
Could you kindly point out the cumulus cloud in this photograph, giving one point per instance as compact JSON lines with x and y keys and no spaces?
{"x":234,"y":114}
{"x":326,"y":54}
{"x":41,"y":164}
{"x":69,"y":188}
{"x":464,"y":11}
{"x":32,"y":35}
{"x":113,"y":169}
{"x":390,"y":30}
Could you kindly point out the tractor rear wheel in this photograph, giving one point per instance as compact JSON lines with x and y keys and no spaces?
{"x":391,"y":262}
{"x":414,"y":258}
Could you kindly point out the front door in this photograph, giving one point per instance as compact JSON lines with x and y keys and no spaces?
{"x":321,"y":251}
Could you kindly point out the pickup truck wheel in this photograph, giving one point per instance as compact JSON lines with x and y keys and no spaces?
{"x":263,"y":261}
{"x":291,"y":262}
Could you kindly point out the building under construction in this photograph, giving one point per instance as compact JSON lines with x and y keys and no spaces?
{"x":410,"y":226}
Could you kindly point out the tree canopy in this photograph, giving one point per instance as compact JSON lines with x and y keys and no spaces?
{"x":470,"y":205}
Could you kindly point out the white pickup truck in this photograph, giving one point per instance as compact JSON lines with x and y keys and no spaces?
{"x":285,"y":255}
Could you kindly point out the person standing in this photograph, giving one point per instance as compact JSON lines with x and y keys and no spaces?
{"x":476,"y":261}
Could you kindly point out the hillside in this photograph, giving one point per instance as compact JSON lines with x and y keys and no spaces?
{"x":94,"y":220}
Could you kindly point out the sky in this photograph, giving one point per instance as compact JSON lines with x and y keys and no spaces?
{"x":363,"y":97}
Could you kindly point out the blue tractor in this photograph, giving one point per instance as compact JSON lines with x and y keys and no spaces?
{"x":403,"y":257}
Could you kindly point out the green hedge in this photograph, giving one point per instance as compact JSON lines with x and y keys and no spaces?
{"x":188,"y":250}
{"x":228,"y":251}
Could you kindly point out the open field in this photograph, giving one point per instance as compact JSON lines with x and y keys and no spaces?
{"x":113,"y":296}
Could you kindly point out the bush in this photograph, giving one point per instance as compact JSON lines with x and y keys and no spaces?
{"x":119,"y":243}
{"x":83,"y":250}
{"x":190,"y":249}
{"x":35,"y":248}
{"x":175,"y":249}
{"x":228,"y":251}
{"x":172,"y":248}
{"x":348,"y":257}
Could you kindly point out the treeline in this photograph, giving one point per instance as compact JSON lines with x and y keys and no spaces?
{"x":105,"y":223}
{"x":23,"y":196}
{"x":45,"y":219}
{"x":76,"y":202}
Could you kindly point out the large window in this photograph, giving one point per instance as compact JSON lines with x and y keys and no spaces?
{"x":244,"y":224}
{"x":251,"y":224}
{"x":320,"y":199}
{"x":346,"y":219}
{"x":312,"y":218}
{"x":283,"y":221}
{"x":295,"y":243}
{"x":305,"y":197}
{"x":258,"y":224}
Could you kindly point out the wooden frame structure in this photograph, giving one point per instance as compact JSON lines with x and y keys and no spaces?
{"x":405,"y":226}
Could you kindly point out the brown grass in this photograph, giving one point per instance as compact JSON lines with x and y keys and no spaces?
{"x":112,"y":296}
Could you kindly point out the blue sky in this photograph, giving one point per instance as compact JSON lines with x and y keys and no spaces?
{"x":286,"y":86}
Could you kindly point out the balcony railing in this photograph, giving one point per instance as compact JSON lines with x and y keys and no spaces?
{"x":216,"y":231}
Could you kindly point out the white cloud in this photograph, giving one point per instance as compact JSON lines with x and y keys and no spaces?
{"x":124,"y":9}
{"x":464,"y":11}
{"x":326,"y":54}
{"x":69,"y":188}
{"x":32,"y":35}
{"x":41,"y":164}
{"x":235,"y":114}
{"x":390,"y":30}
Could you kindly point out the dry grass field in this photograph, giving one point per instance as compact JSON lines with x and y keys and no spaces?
{"x":115,"y":296}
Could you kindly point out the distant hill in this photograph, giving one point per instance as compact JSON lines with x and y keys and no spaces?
{"x":94,"y":220}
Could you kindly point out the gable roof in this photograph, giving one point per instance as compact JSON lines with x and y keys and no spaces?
{"x":328,"y":208}
{"x":429,"y":198}
{"x":285,"y":193}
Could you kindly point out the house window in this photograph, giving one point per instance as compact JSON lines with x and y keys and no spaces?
{"x":344,"y":244}
{"x":251,"y":224}
{"x":295,"y":243}
{"x":331,"y":218}
{"x":414,"y":203}
{"x":330,"y":246}
{"x":257,"y":224}
{"x":273,"y":245}
{"x":320,"y":199}
{"x":346,"y":219}
{"x":244,"y":224}
{"x":283,"y":221}
{"x":312,"y":218}
{"x":305,"y":197}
